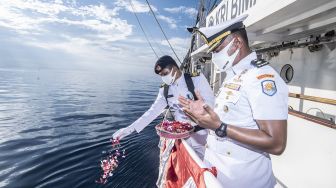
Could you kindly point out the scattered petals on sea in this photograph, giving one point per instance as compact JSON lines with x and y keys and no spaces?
{"x":111,"y":162}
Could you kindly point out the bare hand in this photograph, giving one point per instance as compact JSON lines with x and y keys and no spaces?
{"x":200,"y":112}
{"x":196,"y":107}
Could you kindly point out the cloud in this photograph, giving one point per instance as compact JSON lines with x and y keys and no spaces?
{"x":40,"y":23}
{"x":171,"y":22}
{"x":191,"y":12}
{"x":180,"y":45}
{"x":60,"y":33}
{"x":139,"y":7}
{"x":75,"y":53}
{"x":38,"y":17}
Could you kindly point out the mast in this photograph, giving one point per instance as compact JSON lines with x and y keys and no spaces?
{"x":188,"y":64}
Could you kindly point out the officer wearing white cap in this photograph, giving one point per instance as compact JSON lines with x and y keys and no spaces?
{"x":249,"y":120}
{"x":175,"y":84}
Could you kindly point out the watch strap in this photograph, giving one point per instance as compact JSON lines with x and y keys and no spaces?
{"x":221,"y":130}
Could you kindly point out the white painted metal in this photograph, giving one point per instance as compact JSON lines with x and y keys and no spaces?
{"x":310,"y":157}
{"x":303,"y":16}
{"x":274,"y":20}
{"x":200,"y":49}
{"x":314,"y":75}
{"x":209,"y":178}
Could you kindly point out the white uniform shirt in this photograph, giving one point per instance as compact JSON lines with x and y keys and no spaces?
{"x":247,"y":94}
{"x":179,"y":87}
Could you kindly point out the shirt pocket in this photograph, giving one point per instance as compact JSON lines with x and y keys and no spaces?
{"x":236,"y":151}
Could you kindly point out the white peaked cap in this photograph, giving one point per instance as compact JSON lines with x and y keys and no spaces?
{"x":213,"y":35}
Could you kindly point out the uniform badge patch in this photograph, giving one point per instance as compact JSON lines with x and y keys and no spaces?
{"x":265,"y":76}
{"x":232,"y":86}
{"x":268,"y":87}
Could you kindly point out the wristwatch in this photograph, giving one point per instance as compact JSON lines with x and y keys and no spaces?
{"x":221,"y":130}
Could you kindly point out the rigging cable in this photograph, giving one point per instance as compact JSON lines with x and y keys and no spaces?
{"x":213,"y":6}
{"x":208,"y":6}
{"x":150,"y":8}
{"x":142,"y":29}
{"x":156,"y":45}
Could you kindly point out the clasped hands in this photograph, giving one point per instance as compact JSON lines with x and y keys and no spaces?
{"x":200,"y":112}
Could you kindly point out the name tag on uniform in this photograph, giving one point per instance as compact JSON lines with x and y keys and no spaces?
{"x":232,"y":86}
{"x":265,"y":76}
{"x":170,"y":96}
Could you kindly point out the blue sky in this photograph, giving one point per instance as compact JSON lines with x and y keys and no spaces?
{"x":89,"y":34}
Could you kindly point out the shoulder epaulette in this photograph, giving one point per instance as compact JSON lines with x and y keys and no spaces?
{"x":259,"y":63}
{"x":163,"y":85}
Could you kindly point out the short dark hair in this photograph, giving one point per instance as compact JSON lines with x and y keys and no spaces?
{"x":164,"y":62}
{"x":243,"y":34}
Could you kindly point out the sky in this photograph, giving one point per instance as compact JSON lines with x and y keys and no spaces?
{"x":91,"y":34}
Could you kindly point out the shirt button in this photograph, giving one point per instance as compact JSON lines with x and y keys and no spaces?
{"x":228,"y":153}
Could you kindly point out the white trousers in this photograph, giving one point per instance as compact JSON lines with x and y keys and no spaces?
{"x":238,"y":166}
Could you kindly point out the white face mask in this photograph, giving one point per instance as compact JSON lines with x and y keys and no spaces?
{"x":222,"y":59}
{"x":169,"y":78}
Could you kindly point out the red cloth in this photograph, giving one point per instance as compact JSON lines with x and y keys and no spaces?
{"x":182,"y":166}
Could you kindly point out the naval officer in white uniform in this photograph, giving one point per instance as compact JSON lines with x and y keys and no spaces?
{"x":171,"y":75}
{"x":249,"y":120}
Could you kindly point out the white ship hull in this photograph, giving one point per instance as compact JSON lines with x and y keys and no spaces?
{"x":310,"y":157}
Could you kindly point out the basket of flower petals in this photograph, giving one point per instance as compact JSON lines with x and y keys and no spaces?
{"x":174,"y":129}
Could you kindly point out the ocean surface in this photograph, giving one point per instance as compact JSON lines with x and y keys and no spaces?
{"x":56,"y":125}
